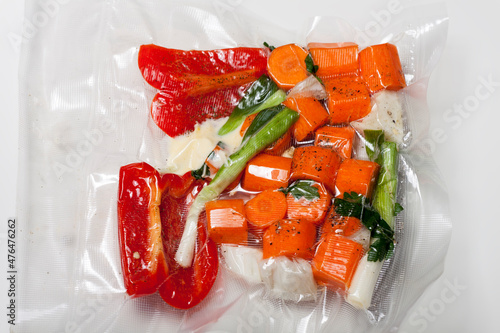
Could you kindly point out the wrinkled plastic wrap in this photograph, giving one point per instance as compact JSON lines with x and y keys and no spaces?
{"x":85,"y":113}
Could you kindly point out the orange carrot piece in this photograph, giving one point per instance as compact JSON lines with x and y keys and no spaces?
{"x":213,"y":161}
{"x":291,"y":238}
{"x":265,"y":208}
{"x":279,"y":146}
{"x":380,"y":67}
{"x":247,"y":122}
{"x":340,"y":225}
{"x":335,"y":261}
{"x":226,"y":221}
{"x":286,"y":65}
{"x":348,"y":99}
{"x":266,"y":172}
{"x":356,"y":176}
{"x":340,"y":139}
{"x":334,"y":58}
{"x":312,"y":115}
{"x":316,"y":163}
{"x":309,"y":210}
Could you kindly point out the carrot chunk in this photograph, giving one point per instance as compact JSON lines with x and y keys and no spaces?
{"x":356,"y":176}
{"x":312,"y":115}
{"x":334,"y":58}
{"x":340,"y":225}
{"x":340,"y":139}
{"x":380,"y":67}
{"x":315,"y":163}
{"x":265,"y":208}
{"x":309,"y":209}
{"x":348,"y":99}
{"x":335,"y":261}
{"x":266,"y":172}
{"x":291,"y":238}
{"x":286,"y":65}
{"x":226,"y":221}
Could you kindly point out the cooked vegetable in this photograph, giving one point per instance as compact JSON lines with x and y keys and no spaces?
{"x":286,"y":65}
{"x":243,"y":261}
{"x":340,"y":139}
{"x":384,"y":200}
{"x":289,"y":279}
{"x":386,"y":114}
{"x":348,"y":99}
{"x":380,"y":67}
{"x":265,"y":208}
{"x":266,"y":172}
{"x":304,"y":206}
{"x":193,"y":72}
{"x":226,"y":221}
{"x":334,"y":58}
{"x":292,"y":238}
{"x":139,"y":226}
{"x":340,"y":225}
{"x":261,"y":95}
{"x":312,"y":115}
{"x":260,"y":120}
{"x":185,"y":287}
{"x":316,"y":163}
{"x":275,"y":128}
{"x":356,"y":176}
{"x":336,"y":260}
{"x":355,"y":205}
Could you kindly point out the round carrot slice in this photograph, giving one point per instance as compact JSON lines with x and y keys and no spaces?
{"x":286,"y":65}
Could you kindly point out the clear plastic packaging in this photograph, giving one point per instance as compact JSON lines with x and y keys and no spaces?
{"x":85,"y":113}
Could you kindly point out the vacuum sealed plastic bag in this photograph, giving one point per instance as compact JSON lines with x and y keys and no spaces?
{"x":124,"y":126}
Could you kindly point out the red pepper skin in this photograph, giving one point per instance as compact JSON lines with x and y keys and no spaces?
{"x":143,"y":263}
{"x":178,"y":115}
{"x":197,"y":72}
{"x":197,"y":85}
{"x":186,"y":287}
{"x":152,"y":213}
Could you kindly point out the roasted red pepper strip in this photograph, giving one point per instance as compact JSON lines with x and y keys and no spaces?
{"x":186,"y":287}
{"x":139,"y":225}
{"x":196,"y":72}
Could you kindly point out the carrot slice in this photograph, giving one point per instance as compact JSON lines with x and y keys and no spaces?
{"x":265,"y":208}
{"x":356,"y":176}
{"x":335,"y":261}
{"x":226,"y":221}
{"x":340,"y":225}
{"x":309,"y":210}
{"x":334,"y":58}
{"x":312,"y":115}
{"x":315,"y":163}
{"x":291,"y":238}
{"x":348,"y":98}
{"x":380,"y":67}
{"x":286,"y":65}
{"x":340,"y":139}
{"x":266,"y":172}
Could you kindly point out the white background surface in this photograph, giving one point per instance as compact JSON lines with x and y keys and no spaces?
{"x":465,"y":298}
